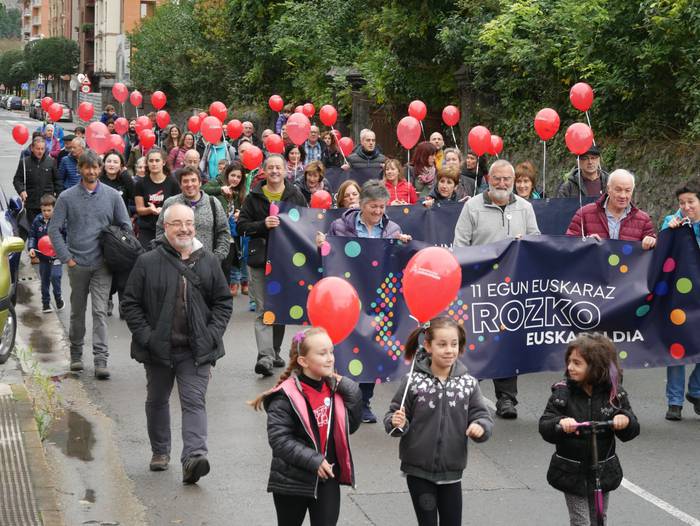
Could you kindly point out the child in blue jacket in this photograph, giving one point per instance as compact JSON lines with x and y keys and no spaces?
{"x":50,"y":268}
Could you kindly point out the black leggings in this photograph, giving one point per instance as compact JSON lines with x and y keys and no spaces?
{"x":323,"y":511}
{"x":430,"y":500}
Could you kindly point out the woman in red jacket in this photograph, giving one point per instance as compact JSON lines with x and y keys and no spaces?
{"x":400,"y":190}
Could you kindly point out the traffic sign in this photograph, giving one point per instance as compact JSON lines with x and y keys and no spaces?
{"x":25,"y":85}
{"x":85,"y":88}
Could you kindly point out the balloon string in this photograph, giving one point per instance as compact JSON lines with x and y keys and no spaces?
{"x":580,"y":195}
{"x":544,"y":170}
{"x":589,"y":125}
{"x":476,"y":178}
{"x":408,"y":166}
{"x":452,"y":128}
{"x":338,"y":143}
{"x":422,"y":129}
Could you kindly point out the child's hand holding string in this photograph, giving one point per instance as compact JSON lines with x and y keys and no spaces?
{"x":475,"y":431}
{"x":620,"y":422}
{"x":398,"y":419}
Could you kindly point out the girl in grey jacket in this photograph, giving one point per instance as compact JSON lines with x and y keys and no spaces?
{"x":435,"y":410}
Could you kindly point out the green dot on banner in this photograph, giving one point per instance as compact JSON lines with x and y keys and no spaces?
{"x":298,"y":259}
{"x":296,"y":312}
{"x":355,"y":367}
{"x":643,"y":310}
{"x":614,"y":260}
{"x":352,"y":249}
{"x":623,"y":355}
{"x":684,"y":285}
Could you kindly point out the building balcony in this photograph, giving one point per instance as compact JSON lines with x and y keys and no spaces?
{"x":36,"y":3}
{"x":36,"y":20}
{"x":27,"y":13}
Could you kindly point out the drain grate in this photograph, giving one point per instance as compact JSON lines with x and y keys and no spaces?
{"x":17,"y":504}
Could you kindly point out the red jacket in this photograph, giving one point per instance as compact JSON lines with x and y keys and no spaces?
{"x":403,"y":191}
{"x":634,"y":227}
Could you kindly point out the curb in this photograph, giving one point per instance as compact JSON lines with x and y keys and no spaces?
{"x":39,"y":471}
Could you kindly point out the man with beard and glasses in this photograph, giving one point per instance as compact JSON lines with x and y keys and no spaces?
{"x":491,"y":216}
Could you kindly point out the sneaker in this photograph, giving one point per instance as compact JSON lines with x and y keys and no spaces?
{"x":263,"y":368}
{"x":674,"y":413}
{"x":101,"y":372}
{"x":194,"y":468}
{"x":159,"y":462}
{"x":505,"y":408}
{"x":244,"y":288}
{"x":46,"y":308}
{"x":252,"y":306}
{"x":60,"y":304}
{"x":368,"y":417}
{"x":76,"y":365}
{"x":695,"y":401}
{"x":233,"y":287}
{"x":110,"y":307}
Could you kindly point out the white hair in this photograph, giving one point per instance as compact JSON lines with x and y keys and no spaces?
{"x":621,"y":172}
{"x":365,"y":132}
{"x":501,"y":163}
{"x":169,"y":211}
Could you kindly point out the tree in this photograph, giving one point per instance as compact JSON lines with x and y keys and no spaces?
{"x":13,"y":68}
{"x":53,"y":56}
{"x":10,"y":22}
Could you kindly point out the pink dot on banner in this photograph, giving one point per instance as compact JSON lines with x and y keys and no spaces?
{"x":325,"y":248}
{"x":677,"y":351}
{"x":375,"y":263}
{"x":669,"y":265}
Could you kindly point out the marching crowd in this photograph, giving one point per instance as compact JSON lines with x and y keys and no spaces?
{"x":202,"y":222}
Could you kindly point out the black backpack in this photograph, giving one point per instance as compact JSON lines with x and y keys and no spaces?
{"x":120,"y":248}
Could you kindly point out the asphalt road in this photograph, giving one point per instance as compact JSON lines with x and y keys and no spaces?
{"x":100,"y":450}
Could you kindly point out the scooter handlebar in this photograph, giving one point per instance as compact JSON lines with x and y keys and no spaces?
{"x":593,"y":425}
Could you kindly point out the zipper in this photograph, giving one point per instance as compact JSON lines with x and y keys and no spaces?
{"x":309,"y":435}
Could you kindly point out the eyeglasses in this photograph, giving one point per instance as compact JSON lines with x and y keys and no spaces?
{"x":507,"y":179}
{"x":180,"y":224}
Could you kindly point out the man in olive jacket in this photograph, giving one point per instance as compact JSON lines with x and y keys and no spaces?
{"x":177,"y":305}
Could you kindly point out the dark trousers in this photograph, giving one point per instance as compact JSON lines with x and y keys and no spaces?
{"x":367,"y":390}
{"x":431,"y":500}
{"x":192,"y":383}
{"x":145,"y":237}
{"x":506,"y":388}
{"x":277,"y":337}
{"x":323,"y":511}
{"x":119,"y":280}
{"x":50,"y":275}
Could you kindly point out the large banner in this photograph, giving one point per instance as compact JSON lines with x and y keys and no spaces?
{"x":522,"y":301}
{"x":295,"y":263}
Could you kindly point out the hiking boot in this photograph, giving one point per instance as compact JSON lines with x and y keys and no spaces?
{"x":76,"y":365}
{"x":194,"y":468}
{"x":101,"y":372}
{"x":159,"y":462}
{"x":264,"y":368}
{"x":233,"y":287}
{"x":46,"y":308}
{"x":505,"y":408}
{"x":60,"y":304}
{"x":674,"y":413}
{"x":244,"y":288}
{"x":368,"y":417}
{"x":278,"y":361}
{"x":695,"y":401}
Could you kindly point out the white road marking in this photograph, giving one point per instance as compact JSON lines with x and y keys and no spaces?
{"x":660,"y":503}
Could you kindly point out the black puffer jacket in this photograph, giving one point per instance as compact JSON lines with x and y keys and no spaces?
{"x":40,"y":179}
{"x":570,"y":188}
{"x":149,"y":303}
{"x":251,"y":221}
{"x":295,"y":454}
{"x":362,"y":159}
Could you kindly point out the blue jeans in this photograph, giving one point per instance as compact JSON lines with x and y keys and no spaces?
{"x":239,"y":273}
{"x":50,"y":275}
{"x":675,"y":383}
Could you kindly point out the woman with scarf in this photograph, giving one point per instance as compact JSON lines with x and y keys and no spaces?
{"x":422,"y":170}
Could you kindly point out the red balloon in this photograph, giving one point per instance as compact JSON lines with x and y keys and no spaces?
{"x":334,"y":305}
{"x":45,"y":246}
{"x":116,"y":143}
{"x":218,"y":110}
{"x":337,"y":135}
{"x":308,"y":109}
{"x":147,"y":138}
{"x":234,"y":129}
{"x":417,"y":110}
{"x":136,"y":98}
{"x":579,"y":138}
{"x":252,"y":158}
{"x":547,"y":123}
{"x":143,"y":123}
{"x":328,"y":115}
{"x":276,"y":103}
{"x":581,"y":96}
{"x":299,"y":109}
{"x":85,"y":111}
{"x":321,"y":199}
{"x":431,"y":281}
{"x":55,"y":112}
{"x":479,"y":140}
{"x":20,"y":134}
{"x":97,"y":137}
{"x":202,"y":115}
{"x":121,"y":126}
{"x":162,"y":119}
{"x":193,"y":124}
{"x":298,"y":127}
{"x":450,"y":115}
{"x":46,"y":103}
{"x":274,"y":143}
{"x":211,"y":129}
{"x":346,"y":145}
{"x":120,"y":92}
{"x":408,"y":132}
{"x":158,"y":99}
{"x":496,"y":145}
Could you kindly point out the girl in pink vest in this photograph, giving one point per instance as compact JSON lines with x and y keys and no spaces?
{"x":311,"y":413}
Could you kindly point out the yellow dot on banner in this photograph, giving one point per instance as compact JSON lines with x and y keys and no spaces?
{"x":613,"y":260}
{"x":677,"y":317}
{"x":406,"y":210}
{"x":624,"y":269}
{"x":623,"y":355}
{"x":269,"y":318}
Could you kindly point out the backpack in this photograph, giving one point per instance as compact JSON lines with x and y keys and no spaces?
{"x":120,"y":248}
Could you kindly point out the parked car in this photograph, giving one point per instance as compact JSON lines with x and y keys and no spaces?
{"x":35,"y":110}
{"x":3,"y":100}
{"x":11,"y":245}
{"x":67,"y":112}
{"x":14,"y":103}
